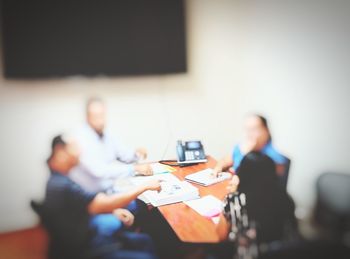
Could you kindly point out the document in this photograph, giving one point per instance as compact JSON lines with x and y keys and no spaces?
{"x":207,"y":206}
{"x":159,"y":168}
{"x":206,"y":178}
{"x":173,"y":190}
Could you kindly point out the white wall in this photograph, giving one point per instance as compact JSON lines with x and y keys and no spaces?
{"x":286,"y":59}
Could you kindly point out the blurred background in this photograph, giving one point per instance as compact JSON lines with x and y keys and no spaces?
{"x":288,"y":60}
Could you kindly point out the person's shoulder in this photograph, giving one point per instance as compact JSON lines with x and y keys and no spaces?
{"x":108,"y":132}
{"x":56,"y":177}
{"x":85,"y":136}
{"x":270,"y":147}
{"x":60,"y":180}
{"x":237,"y":149}
{"x":111,"y":137}
{"x":57,"y":183}
{"x":274,"y":153}
{"x":82,"y":130}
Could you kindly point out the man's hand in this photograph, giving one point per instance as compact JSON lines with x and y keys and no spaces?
{"x":143,"y":169}
{"x":125,"y":216}
{"x":141,"y":153}
{"x":153,"y":185}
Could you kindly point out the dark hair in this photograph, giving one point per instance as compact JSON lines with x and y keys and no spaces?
{"x":265,"y":124}
{"x":256,"y":172}
{"x":56,"y":141}
{"x":92,"y":100}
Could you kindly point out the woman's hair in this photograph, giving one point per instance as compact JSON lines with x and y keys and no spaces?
{"x":257,"y":172}
{"x":265,"y":124}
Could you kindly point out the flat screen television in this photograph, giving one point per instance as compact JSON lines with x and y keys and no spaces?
{"x":56,"y":38}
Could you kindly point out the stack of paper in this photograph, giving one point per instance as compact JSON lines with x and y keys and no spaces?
{"x":159,"y":168}
{"x":207,"y":206}
{"x":173,"y":190}
{"x":206,"y":177}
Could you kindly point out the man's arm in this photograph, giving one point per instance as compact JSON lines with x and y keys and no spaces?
{"x":103,"y":203}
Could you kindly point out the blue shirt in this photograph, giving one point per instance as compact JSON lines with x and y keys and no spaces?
{"x":67,"y":217}
{"x":66,"y":214}
{"x":268,"y":150}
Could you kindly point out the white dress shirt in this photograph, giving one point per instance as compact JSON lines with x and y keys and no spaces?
{"x":102,"y":160}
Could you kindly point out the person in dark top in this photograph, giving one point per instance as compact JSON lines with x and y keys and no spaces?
{"x":69,"y":213}
{"x":269,"y":208}
{"x":268,"y":204}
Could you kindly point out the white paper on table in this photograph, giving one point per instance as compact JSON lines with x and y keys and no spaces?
{"x":173,"y":190}
{"x":207,"y":206}
{"x":138,"y":180}
{"x":159,"y":168}
{"x":205,"y":177}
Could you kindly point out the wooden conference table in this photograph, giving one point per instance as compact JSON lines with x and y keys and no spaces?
{"x":188,"y":224}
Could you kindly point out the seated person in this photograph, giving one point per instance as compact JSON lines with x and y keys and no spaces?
{"x":257,"y":138}
{"x":103,"y":158}
{"x":71,"y":214}
{"x":267,"y":203}
{"x":272,"y":209}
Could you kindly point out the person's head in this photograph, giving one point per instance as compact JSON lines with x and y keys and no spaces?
{"x":257,"y":129}
{"x":96,"y":114}
{"x":257,"y":173}
{"x":64,"y":154}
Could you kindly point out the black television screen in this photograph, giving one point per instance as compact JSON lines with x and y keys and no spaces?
{"x":57,"y":38}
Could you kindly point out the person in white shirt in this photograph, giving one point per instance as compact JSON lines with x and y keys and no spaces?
{"x":103,"y":157}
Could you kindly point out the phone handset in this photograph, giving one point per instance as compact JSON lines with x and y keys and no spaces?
{"x":180,"y":151}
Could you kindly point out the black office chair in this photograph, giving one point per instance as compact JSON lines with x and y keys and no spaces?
{"x":53,"y":250}
{"x":56,"y":251}
{"x":332,"y":210}
{"x":37,"y":207}
{"x":284,"y":178}
{"x":332,"y":213}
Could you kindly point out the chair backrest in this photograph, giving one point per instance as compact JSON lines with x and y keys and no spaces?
{"x":284,"y":178}
{"x":332,"y":209}
{"x":37,"y":207}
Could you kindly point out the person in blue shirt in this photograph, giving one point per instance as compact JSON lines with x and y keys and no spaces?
{"x":84,"y":224}
{"x":257,"y":138}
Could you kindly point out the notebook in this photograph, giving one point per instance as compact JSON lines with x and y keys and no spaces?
{"x":207,"y":206}
{"x":205,"y":177}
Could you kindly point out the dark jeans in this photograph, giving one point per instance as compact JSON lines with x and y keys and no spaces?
{"x":123,"y":245}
